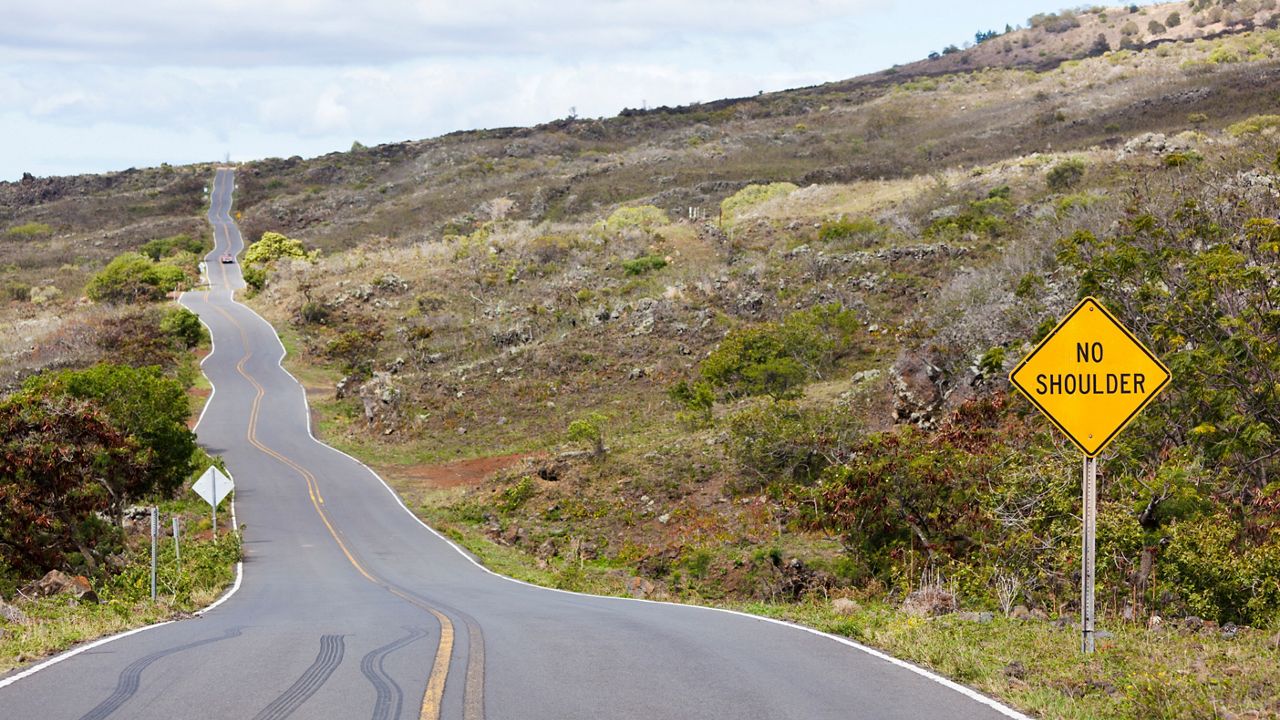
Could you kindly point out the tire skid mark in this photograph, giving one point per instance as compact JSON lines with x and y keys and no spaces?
{"x":131,"y":677}
{"x":390,"y":698}
{"x":327,"y":660}
{"x":473,"y":688}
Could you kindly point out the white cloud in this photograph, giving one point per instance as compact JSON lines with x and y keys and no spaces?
{"x":337,"y":32}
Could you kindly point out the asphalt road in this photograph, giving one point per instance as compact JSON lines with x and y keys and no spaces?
{"x":351,"y":608}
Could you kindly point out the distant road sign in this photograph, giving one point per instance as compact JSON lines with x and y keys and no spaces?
{"x":214,"y":486}
{"x":1090,"y":376}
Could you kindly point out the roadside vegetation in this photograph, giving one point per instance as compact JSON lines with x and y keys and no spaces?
{"x":91,"y":441}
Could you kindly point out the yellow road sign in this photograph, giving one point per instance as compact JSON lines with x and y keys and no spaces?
{"x":1090,"y":376}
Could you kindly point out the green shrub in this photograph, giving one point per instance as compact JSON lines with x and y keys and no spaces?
{"x":183,"y":326}
{"x":1174,"y":19}
{"x":778,"y":440}
{"x":589,"y":429}
{"x":982,"y":217}
{"x":1077,"y":201}
{"x":697,"y":399}
{"x":644,"y":264}
{"x":132,"y":277}
{"x":1054,"y":22}
{"x":1254,"y":125}
{"x":1065,"y":174}
{"x":1222,"y":55}
{"x":643,"y":217}
{"x":906,"y":489}
{"x":355,"y":349}
{"x":777,"y":358}
{"x":255,"y":277}
{"x":1203,"y":564}
{"x":752,"y":195}
{"x":29,"y":230}
{"x":173,"y":245}
{"x":16,"y":290}
{"x":272,"y":246}
{"x":1180,"y":158}
{"x":515,"y":496}
{"x":314,"y":312}
{"x":847,"y":228}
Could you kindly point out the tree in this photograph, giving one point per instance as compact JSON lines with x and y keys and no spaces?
{"x":1100,"y":46}
{"x":144,"y":404}
{"x":61,"y":462}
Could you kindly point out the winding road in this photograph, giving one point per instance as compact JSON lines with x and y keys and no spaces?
{"x":352,"y":608}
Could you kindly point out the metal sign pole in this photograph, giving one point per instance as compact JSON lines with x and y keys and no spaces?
{"x":214,"y":495}
{"x":177,"y":551}
{"x":155,"y":532}
{"x":1087,"y":559}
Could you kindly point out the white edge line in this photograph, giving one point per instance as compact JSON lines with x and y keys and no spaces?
{"x":67,"y":654}
{"x":76,"y":651}
{"x":922,"y":672}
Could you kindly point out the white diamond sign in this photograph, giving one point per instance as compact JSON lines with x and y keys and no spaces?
{"x":213,"y":486}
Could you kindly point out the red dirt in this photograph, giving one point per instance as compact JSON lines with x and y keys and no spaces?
{"x":200,"y":393}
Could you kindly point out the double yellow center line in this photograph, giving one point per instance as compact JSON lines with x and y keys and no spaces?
{"x":473,"y":703}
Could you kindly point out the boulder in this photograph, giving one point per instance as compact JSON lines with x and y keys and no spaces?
{"x":638,"y":587}
{"x":57,"y":582}
{"x":381,"y":400}
{"x":11,"y":614}
{"x":916,"y":396}
{"x":845,"y":606}
{"x":929,"y":602}
{"x":978,"y":617}
{"x":1192,"y":623}
{"x":1022,"y":612}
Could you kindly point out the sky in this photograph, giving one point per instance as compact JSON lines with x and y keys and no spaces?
{"x":92,"y":86}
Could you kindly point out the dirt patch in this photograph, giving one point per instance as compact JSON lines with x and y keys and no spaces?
{"x":203,"y":394}
{"x":462,"y":473}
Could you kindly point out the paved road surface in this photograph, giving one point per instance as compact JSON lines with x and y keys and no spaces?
{"x":351,"y":608}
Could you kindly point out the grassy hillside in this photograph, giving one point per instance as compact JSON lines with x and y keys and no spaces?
{"x":752,"y":352}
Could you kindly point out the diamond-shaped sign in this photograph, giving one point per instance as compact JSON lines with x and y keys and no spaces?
{"x":213,"y":486}
{"x":1090,"y":376}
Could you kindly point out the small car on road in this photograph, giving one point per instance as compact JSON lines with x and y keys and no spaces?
{"x":228,"y":258}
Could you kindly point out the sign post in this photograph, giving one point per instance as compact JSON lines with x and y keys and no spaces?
{"x":1088,"y":553}
{"x":155,"y":532}
{"x":213,"y":486}
{"x":1091,"y":377}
